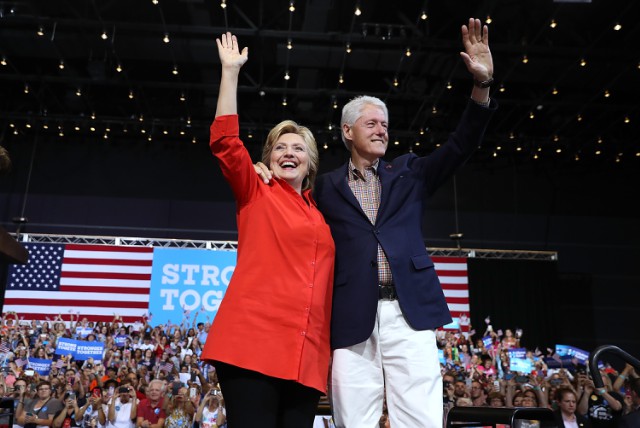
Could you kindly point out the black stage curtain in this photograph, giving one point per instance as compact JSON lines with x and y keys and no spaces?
{"x":515,"y":294}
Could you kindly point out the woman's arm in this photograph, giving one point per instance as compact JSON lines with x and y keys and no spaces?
{"x":232,"y":60}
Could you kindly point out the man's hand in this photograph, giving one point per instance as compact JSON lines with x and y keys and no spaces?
{"x":263,"y":172}
{"x":477,"y":56}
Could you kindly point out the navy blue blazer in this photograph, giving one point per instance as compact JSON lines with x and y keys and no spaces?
{"x":406,"y":182}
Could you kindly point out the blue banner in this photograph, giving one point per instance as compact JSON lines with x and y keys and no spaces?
{"x":488,"y":342}
{"x":80,"y":349}
{"x":441,"y":356}
{"x":580,"y":355}
{"x":522,"y":365}
{"x":42,"y":366}
{"x":519,"y":353}
{"x":186,"y":281}
{"x":120,"y":340}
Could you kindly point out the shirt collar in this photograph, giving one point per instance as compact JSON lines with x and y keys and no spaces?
{"x":355,"y":172}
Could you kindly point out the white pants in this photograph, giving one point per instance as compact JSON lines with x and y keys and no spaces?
{"x":397,"y":357}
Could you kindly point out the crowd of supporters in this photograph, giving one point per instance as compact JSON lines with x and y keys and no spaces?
{"x":152,"y":377}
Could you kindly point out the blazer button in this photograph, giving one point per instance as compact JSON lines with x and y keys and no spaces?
{"x":374,"y":264}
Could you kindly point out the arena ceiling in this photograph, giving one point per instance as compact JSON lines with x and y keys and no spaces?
{"x":147,"y":72}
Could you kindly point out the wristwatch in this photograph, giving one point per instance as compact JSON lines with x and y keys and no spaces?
{"x":484,"y":83}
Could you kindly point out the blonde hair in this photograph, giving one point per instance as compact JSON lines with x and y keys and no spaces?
{"x":291,"y":127}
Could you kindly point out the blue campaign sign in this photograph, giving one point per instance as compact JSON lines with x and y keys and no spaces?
{"x":185,"y":281}
{"x":42,"y":366}
{"x":79,"y":349}
{"x":580,"y":355}
{"x":522,"y":365}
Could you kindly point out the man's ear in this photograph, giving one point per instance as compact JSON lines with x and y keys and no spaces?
{"x":346,"y":131}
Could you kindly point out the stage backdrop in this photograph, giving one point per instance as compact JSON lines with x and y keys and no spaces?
{"x":162,"y":284}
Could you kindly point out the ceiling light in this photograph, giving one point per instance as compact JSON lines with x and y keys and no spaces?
{"x":175,"y":70}
{"x":617,"y":27}
{"x":284,"y":101}
{"x":553,"y":23}
{"x":165,"y":132}
{"x":627,"y":119}
{"x":554,"y":91}
{"x":518,"y":149}
{"x":449,"y":85}
{"x":348,"y":48}
{"x":397,"y":143}
{"x":512,"y":136}
{"x":292,"y":7}
{"x":607,"y":94}
{"x":182,"y":97}
{"x":141,"y":118}
{"x":26,"y":88}
{"x":395,"y":81}
{"x":166,"y":38}
{"x":434,"y":110}
{"x":188,"y":121}
{"x":119,"y":68}
{"x":154,"y":1}
{"x":286,"y":75}
{"x":535,"y":156}
{"x":525,"y":59}
{"x":130,"y":94}
{"x":92,"y":129}
{"x":194,"y":140}
{"x":77,"y":128}
{"x":335,"y":104}
{"x":181,"y":132}
{"x":502,"y":88}
{"x":583,"y":62}
{"x":104,"y":36}
{"x":556,"y":138}
{"x":341,"y":79}
{"x":289,"y":44}
{"x":78,"y":92}
{"x":143,"y":131}
{"x":423,"y":15}
{"x":61,"y":64}
{"x":408,"y":52}
{"x":3,"y":61}
{"x":488,"y":20}
{"x":531,"y":115}
{"x":223,"y":4}
{"x":325,"y":146}
{"x":40,"y":31}
{"x":357,"y":12}
{"x":558,"y":150}
{"x":93,"y":115}
{"x":579,"y":118}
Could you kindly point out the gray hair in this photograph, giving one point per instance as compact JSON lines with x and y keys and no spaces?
{"x":352,"y":111}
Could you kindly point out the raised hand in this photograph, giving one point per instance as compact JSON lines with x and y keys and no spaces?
{"x":477,"y":56}
{"x":229,"y":52}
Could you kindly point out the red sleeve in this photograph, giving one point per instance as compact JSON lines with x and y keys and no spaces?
{"x":235,"y":162}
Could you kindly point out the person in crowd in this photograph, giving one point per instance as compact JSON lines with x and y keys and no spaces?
{"x":478,"y":394}
{"x":151,"y":412}
{"x":281,"y":288}
{"x":632,"y":418}
{"x":69,"y":416}
{"x":89,"y":412}
{"x":602,"y":405}
{"x":496,"y":399}
{"x":39,"y":412}
{"x":123,"y":407}
{"x":211,"y":414}
{"x":566,"y":416}
{"x":179,"y":410}
{"x":386,"y":278}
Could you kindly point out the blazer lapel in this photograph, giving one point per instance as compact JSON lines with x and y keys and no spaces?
{"x":339,"y":179}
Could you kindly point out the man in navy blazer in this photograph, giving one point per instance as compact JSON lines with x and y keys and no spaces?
{"x":387,"y":297}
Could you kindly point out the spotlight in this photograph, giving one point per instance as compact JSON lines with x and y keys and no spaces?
{"x":166,"y":38}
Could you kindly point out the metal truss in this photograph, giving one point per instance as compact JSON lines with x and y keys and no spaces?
{"x":233,"y":245}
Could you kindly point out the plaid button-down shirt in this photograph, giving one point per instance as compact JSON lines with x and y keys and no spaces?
{"x":367,"y":189}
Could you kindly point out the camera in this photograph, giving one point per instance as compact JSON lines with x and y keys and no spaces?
{"x":123,"y":390}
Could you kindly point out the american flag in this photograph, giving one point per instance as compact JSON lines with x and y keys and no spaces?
{"x":452,"y":272}
{"x":167,"y":367}
{"x":96,"y":281}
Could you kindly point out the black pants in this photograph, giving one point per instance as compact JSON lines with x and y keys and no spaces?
{"x":256,"y":400}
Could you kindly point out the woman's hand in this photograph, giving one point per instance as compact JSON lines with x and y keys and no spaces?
{"x":229,"y":52}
